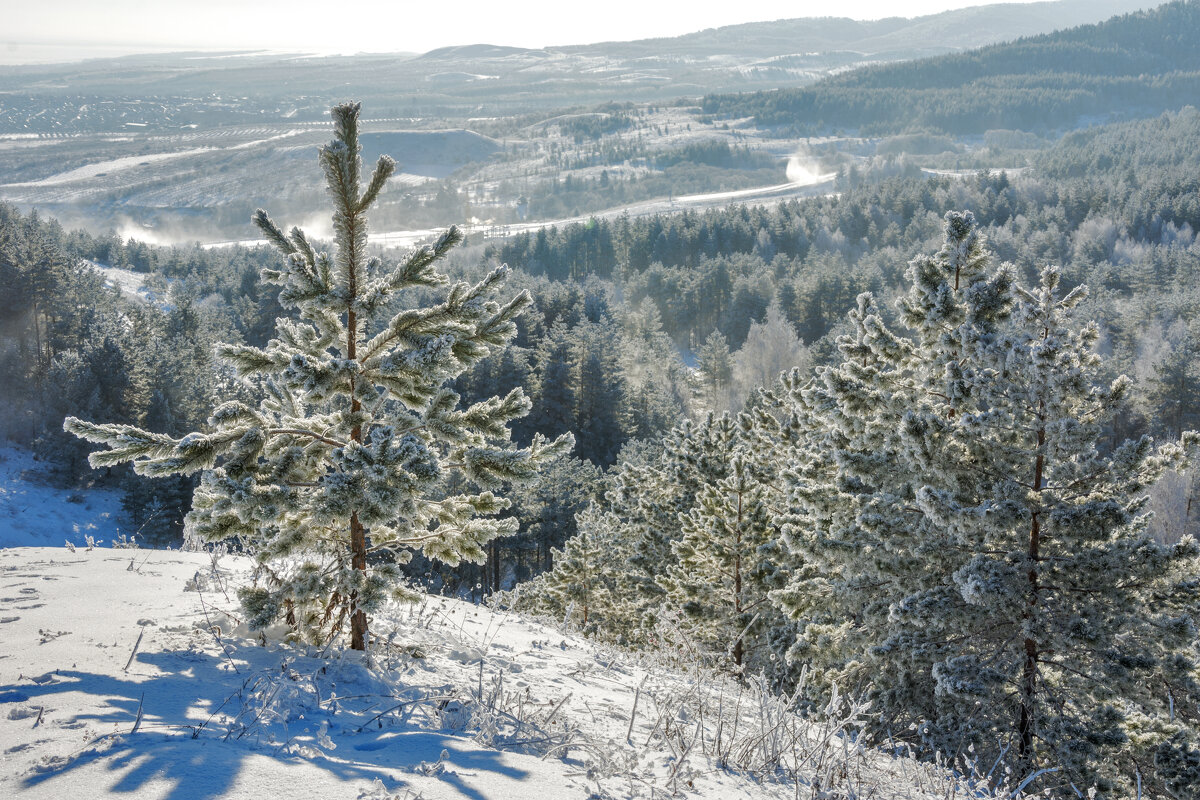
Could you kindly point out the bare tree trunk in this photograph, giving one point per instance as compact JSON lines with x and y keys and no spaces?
{"x":358,"y":560}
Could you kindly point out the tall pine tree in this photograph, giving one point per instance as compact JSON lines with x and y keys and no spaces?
{"x":342,"y":467}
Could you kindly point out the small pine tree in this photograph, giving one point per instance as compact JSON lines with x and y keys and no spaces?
{"x":342,"y":467}
{"x":583,"y":585}
{"x":718,"y":580}
{"x":652,"y":497}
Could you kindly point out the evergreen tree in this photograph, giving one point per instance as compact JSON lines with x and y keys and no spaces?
{"x":716,"y":370}
{"x":600,"y":391}
{"x":548,"y":509}
{"x":583,"y":586}
{"x":555,"y":399}
{"x":342,"y":467}
{"x":718,"y":580}
{"x":1174,"y":390}
{"x":967,"y":551}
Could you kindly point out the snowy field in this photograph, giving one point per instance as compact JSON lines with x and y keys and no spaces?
{"x":126,"y":673}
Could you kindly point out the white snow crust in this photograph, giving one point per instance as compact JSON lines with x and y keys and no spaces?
{"x":127,"y":673}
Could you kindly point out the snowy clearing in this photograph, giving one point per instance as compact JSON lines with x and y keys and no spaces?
{"x":130,"y":283}
{"x":34,"y":512}
{"x":126,"y":671}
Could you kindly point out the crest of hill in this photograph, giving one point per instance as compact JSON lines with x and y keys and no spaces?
{"x":477,"y":51}
{"x":1133,"y":65}
{"x":892,"y":37}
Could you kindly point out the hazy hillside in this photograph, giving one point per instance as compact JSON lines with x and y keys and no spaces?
{"x":893,"y":37}
{"x":1133,"y":65}
{"x":169,"y":91}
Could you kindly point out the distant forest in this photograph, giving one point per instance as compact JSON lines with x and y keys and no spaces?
{"x":639,"y":323}
{"x":1132,"y":65}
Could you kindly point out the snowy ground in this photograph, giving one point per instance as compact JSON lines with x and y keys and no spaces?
{"x":130,"y":283}
{"x":126,"y":672}
{"x":35,"y":512}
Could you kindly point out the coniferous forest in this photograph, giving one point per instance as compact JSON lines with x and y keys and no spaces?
{"x":928,"y":439}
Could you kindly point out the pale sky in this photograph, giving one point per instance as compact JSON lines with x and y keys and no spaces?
{"x":32,"y":30}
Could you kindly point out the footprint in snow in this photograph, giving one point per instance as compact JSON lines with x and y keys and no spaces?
{"x":369,"y":746}
{"x":50,"y":764}
{"x":23,"y":712}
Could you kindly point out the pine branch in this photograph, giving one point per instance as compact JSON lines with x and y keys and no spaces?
{"x":384,"y":169}
{"x":272,"y":232}
{"x":306,"y":433}
{"x":125,"y":442}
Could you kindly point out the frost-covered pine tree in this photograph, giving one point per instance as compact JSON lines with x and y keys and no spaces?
{"x":719,"y":578}
{"x":715,"y":365}
{"x":970,"y":555}
{"x":652,"y":497}
{"x":587,"y":581}
{"x":341,"y":469}
{"x":635,"y":527}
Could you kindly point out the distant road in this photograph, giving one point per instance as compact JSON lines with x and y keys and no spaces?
{"x":689,"y":202}
{"x":777,"y":193}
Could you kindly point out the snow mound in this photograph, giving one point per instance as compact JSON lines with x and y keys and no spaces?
{"x":128,"y":672}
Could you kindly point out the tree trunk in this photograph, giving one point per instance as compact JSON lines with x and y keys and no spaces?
{"x":739,"y":649}
{"x":358,"y":560}
{"x":1027,"y":722}
{"x":358,"y":534}
{"x":495,"y":545}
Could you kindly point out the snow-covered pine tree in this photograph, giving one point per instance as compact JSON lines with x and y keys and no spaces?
{"x":341,"y":468}
{"x":584,"y":586}
{"x":968,"y":551}
{"x":651,"y":497}
{"x":715,"y":365}
{"x":719,"y":578}
{"x":637,"y":521}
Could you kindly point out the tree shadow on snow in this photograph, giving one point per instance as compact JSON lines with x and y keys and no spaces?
{"x":202,"y":725}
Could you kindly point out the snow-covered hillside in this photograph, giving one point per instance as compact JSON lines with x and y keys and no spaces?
{"x":125,"y":672}
{"x":35,"y":512}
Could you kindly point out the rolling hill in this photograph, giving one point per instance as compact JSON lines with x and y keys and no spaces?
{"x":1133,"y":65}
